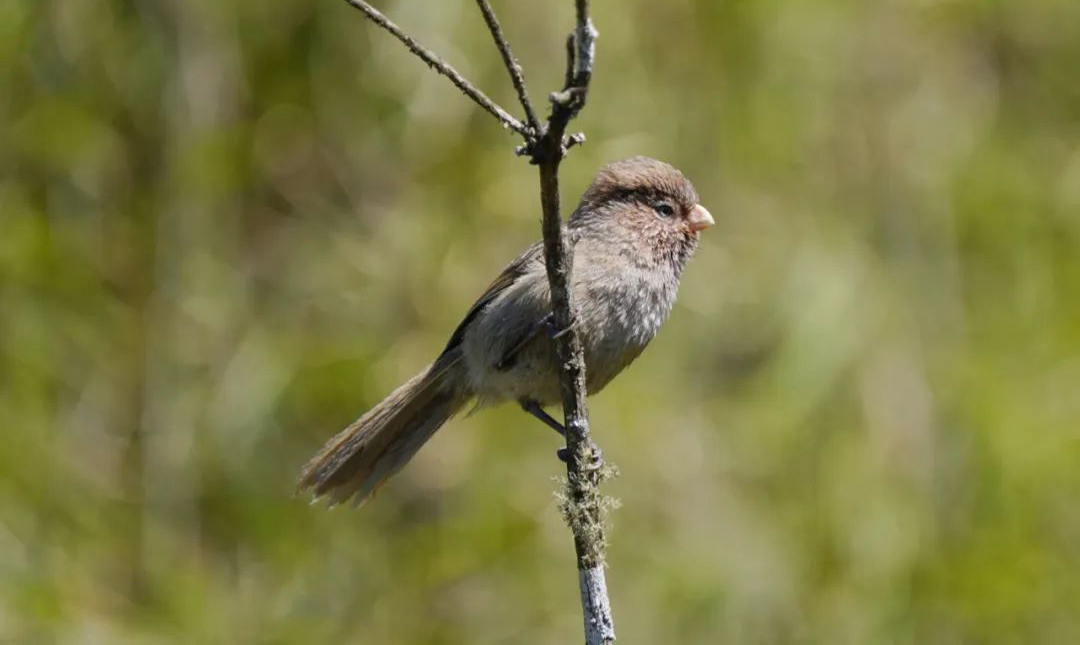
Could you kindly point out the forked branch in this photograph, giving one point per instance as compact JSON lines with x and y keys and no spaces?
{"x":584,"y":503}
{"x":546,"y":145}
{"x":442,"y":67}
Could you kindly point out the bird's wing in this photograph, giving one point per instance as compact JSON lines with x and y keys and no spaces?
{"x":510,"y":275}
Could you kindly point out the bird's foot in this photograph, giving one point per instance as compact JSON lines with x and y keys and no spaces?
{"x":545,"y":325}
{"x":535,"y":409}
{"x":553,"y":332}
{"x":596,"y":461}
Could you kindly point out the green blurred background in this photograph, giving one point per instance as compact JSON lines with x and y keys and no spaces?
{"x":229,"y":227}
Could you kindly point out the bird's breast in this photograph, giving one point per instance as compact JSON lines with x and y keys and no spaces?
{"x":620,"y":307}
{"x":618,"y":316}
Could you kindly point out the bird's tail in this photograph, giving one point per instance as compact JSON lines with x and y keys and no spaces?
{"x":374,"y":447}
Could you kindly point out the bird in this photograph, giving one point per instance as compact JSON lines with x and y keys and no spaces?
{"x":633,"y":232}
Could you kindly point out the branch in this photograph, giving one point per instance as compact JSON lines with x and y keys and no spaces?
{"x":443,"y":68}
{"x":546,"y":145}
{"x":584,"y":504}
{"x":511,"y":63}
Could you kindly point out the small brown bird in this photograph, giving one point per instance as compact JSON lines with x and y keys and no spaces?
{"x":633,"y":232}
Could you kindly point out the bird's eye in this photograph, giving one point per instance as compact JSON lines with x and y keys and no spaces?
{"x":664,"y":209}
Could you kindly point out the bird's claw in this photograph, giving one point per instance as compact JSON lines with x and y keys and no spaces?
{"x":545,"y":324}
{"x":553,"y":332}
{"x":595,"y":463}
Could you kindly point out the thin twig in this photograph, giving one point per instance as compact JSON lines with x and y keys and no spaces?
{"x":442,"y":67}
{"x":512,"y":66}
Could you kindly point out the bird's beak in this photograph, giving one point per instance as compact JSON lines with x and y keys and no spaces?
{"x":700,"y":218}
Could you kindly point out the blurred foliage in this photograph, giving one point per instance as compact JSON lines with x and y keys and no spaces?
{"x":228,"y":227}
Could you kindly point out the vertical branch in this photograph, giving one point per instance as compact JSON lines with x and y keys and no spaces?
{"x":584,"y":503}
{"x":546,"y":145}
